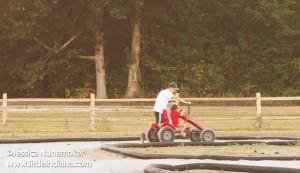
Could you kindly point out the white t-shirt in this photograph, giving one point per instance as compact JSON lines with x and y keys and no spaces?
{"x":162,"y":100}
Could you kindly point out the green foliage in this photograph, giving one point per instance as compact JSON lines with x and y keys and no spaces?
{"x":210,"y":47}
{"x":238,"y":47}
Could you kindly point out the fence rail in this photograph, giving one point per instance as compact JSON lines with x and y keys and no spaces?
{"x":84,"y":100}
{"x":92,"y":102}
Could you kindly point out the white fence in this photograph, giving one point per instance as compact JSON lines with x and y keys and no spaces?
{"x":93,"y":100}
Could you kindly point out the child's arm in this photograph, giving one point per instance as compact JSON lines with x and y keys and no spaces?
{"x":181,"y":100}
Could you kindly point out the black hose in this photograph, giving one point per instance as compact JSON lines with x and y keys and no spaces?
{"x":254,"y":138}
{"x":42,"y":140}
{"x":161,"y":168}
{"x":122,"y":149}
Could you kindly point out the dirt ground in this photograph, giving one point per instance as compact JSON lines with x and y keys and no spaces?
{"x":206,"y":171}
{"x":101,"y":154}
{"x":203,"y":171}
{"x":236,"y":150}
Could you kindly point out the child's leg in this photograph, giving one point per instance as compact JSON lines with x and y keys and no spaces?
{"x":183,"y":126}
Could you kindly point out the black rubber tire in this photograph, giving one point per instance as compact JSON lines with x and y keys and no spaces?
{"x":151,"y":135}
{"x":207,"y":135}
{"x":166,"y":134}
{"x":195,"y":135}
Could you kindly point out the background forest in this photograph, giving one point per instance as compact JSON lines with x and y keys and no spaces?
{"x":134,"y":48}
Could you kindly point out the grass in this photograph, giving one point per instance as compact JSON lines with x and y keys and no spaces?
{"x":225,"y":121}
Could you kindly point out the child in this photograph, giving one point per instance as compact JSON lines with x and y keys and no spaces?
{"x":172,"y":115}
{"x":166,"y":114}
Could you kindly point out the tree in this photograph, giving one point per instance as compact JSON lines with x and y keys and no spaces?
{"x":211,"y":48}
{"x":134,"y":58}
{"x":95,"y":22}
{"x":34,"y":42}
{"x":99,"y":63}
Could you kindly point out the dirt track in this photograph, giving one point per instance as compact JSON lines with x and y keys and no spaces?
{"x":103,"y":162}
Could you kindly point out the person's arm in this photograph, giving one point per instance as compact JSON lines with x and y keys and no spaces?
{"x":181,"y":100}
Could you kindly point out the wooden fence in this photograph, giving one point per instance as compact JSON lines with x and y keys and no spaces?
{"x":93,"y":100}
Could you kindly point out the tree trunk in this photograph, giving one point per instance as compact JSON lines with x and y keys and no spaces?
{"x":100,"y":69}
{"x":133,"y":85}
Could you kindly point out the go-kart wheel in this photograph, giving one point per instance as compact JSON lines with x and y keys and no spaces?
{"x":195,"y":135}
{"x":151,"y":135}
{"x":166,"y":134}
{"x":207,"y":135}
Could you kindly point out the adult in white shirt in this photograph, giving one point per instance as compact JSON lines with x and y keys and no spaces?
{"x":162,"y":99}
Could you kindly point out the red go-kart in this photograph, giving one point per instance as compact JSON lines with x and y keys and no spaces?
{"x":166,"y":131}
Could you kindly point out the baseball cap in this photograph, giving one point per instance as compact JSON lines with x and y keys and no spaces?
{"x":173,"y":85}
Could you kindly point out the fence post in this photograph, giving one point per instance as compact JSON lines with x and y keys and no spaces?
{"x":176,"y":100}
{"x":92,"y":111}
{"x":4,"y":109}
{"x":258,"y":110}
